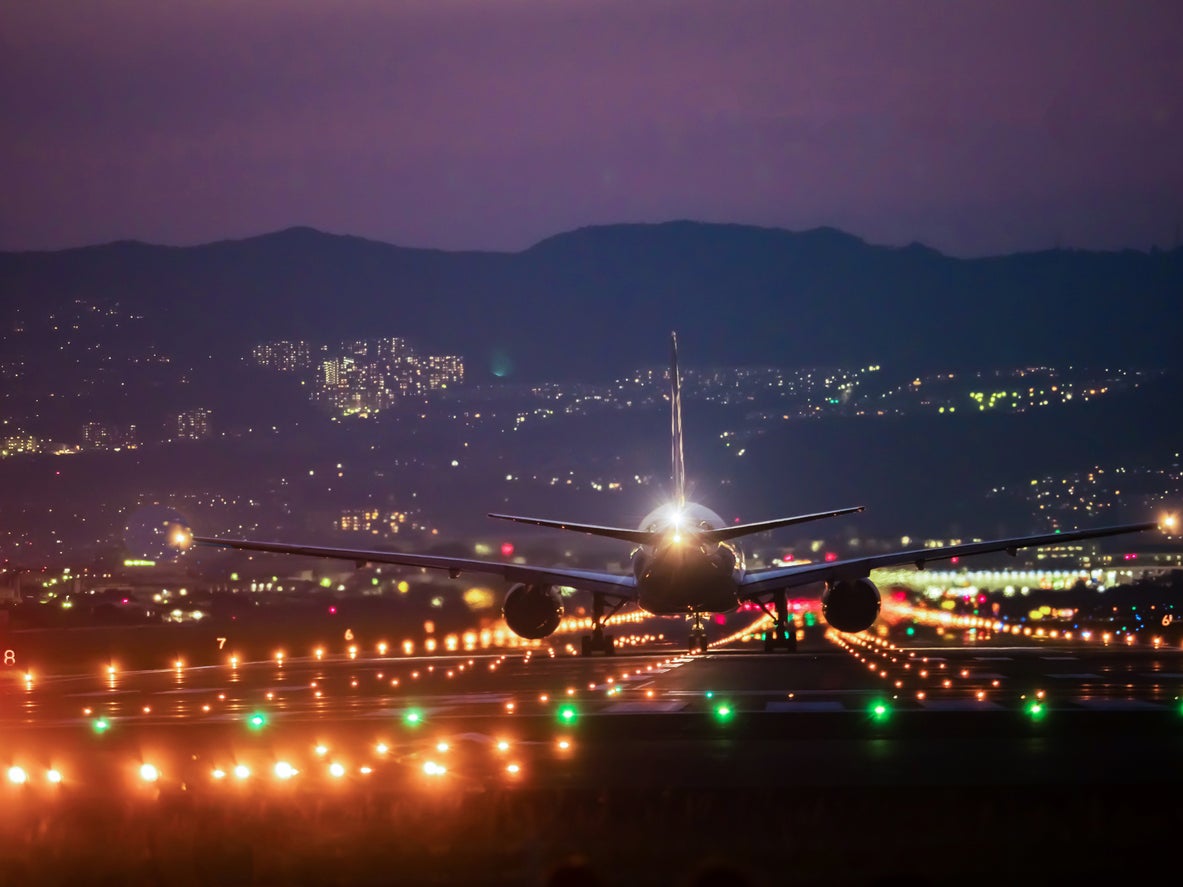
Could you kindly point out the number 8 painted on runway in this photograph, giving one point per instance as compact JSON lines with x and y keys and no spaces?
{"x":10,"y":657}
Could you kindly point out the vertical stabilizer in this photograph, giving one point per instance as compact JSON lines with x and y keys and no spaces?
{"x":676,"y":425}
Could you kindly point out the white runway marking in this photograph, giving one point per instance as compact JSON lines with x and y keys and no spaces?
{"x":1118,"y":704}
{"x":641,"y":708}
{"x":960,"y":705}
{"x":814,"y":706}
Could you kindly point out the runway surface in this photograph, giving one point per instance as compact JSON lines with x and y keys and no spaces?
{"x":865,"y":709}
{"x":858,"y":759}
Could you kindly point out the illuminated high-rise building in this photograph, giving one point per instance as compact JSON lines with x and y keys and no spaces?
{"x":19,"y":443}
{"x":442,"y":370}
{"x":191,"y":424}
{"x":283,"y":356}
{"x":364,"y":376}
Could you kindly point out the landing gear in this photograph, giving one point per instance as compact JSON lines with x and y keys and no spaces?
{"x":698,"y":635}
{"x":598,"y":641}
{"x":784,"y":631}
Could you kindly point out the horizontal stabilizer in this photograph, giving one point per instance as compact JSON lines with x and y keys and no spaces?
{"x":724,"y":533}
{"x":646,"y":537}
{"x":637,"y":537}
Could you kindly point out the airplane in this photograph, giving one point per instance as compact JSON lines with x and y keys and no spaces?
{"x":686,"y":560}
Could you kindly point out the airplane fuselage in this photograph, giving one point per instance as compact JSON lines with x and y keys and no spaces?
{"x":684,"y":573}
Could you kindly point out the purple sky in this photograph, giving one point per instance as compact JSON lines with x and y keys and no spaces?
{"x":977,"y":128}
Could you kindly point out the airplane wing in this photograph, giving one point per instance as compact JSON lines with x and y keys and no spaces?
{"x":586,"y":580}
{"x":759,"y":582}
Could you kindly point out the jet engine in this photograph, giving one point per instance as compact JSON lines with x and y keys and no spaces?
{"x":850,"y":604}
{"x":532,"y":611}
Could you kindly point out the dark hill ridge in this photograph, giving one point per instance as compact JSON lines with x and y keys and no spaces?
{"x":598,"y":301}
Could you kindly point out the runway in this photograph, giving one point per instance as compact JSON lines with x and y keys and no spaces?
{"x":854,"y":760}
{"x":865,"y":709}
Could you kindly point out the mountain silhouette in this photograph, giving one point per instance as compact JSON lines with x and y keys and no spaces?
{"x":599,"y":301}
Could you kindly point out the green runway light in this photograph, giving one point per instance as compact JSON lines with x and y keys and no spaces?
{"x":880,"y":710}
{"x":1036,"y":710}
{"x":413,"y":717}
{"x":911,"y":630}
{"x":257,"y":721}
{"x":100,"y":725}
{"x":568,"y":714}
{"x":710,"y":694}
{"x":724,"y":712}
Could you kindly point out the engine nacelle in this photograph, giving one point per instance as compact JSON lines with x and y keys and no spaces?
{"x":532,"y":611}
{"x":851,"y":604}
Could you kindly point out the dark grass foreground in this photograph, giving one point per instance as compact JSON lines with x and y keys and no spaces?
{"x":518,"y":836}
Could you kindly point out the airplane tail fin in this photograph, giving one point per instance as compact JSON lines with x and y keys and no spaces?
{"x":679,"y":465}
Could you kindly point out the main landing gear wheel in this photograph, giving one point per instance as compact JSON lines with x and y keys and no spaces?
{"x":784,"y":630}
{"x":597,"y":641}
{"x":698,"y":635}
{"x":781,"y":637}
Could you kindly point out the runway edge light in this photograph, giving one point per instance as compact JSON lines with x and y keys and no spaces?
{"x":879,"y":710}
